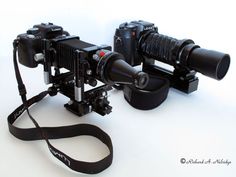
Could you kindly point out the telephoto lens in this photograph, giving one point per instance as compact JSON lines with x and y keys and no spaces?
{"x":184,"y":52}
{"x":209,"y":62}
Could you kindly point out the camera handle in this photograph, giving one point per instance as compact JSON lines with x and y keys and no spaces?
{"x":47,"y":133}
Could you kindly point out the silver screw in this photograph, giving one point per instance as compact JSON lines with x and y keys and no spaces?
{"x":70,"y":102}
{"x":89,"y":72}
{"x":95,"y":57}
{"x":90,"y":108}
{"x":104,"y":94}
{"x":39,"y":57}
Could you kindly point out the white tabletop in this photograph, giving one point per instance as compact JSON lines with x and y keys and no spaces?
{"x":199,"y":126}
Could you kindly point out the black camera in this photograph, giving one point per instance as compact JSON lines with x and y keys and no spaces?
{"x":140,"y":42}
{"x":85,"y":63}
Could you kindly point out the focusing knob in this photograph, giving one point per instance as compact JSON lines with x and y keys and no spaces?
{"x":39,"y":57}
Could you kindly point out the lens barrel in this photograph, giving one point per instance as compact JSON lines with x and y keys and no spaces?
{"x":184,"y":53}
{"x":209,"y":62}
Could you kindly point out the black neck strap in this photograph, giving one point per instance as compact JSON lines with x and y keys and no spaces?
{"x":47,"y":133}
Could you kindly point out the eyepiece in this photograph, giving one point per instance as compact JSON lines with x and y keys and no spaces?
{"x":141,"y":80}
{"x":209,"y":62}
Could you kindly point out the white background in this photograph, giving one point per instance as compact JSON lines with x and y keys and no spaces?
{"x":146,"y":143}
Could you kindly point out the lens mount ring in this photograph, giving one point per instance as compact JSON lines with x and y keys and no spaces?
{"x":185,"y":52}
{"x":178,"y":48}
{"x":108,"y":57}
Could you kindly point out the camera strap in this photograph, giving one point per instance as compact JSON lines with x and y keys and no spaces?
{"x":46,"y":133}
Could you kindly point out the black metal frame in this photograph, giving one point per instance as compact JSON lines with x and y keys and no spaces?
{"x":71,"y":84}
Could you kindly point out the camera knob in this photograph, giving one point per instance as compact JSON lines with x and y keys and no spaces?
{"x":33,"y":31}
{"x":39,"y":57}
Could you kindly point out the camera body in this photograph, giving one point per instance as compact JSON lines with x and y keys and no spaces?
{"x":127,"y":37}
{"x":85,"y":63}
{"x":30,"y":43}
